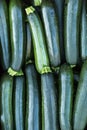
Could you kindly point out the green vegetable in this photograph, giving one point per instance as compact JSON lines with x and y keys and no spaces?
{"x":80,"y":106}
{"x":19,"y":102}
{"x":84,"y":31}
{"x":32,"y":121}
{"x":52,"y":32}
{"x":71,"y":30}
{"x":65,"y":97}
{"x":49,"y":102}
{"x":6,"y":87}
{"x":59,"y":7}
{"x":39,"y":43}
{"x":28,"y":42}
{"x":4,"y":36}
{"x":17,"y":32}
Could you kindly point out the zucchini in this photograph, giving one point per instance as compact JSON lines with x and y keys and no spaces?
{"x":59,"y":7}
{"x":52,"y":32}
{"x":49,"y":102}
{"x":65,"y":97}
{"x":80,"y":105}
{"x":84,"y":31}
{"x":28,"y":42}
{"x":19,"y":102}
{"x":17,"y":32}
{"x":4,"y":36}
{"x":71,"y":30}
{"x":32,"y":121}
{"x":6,"y":87}
{"x":39,"y":46}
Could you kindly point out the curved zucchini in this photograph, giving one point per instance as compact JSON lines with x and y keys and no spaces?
{"x":32,"y":121}
{"x":71,"y":30}
{"x":19,"y":102}
{"x":17,"y":31}
{"x":65,"y":97}
{"x":4,"y":36}
{"x":84,"y":31}
{"x":6,"y":87}
{"x":80,"y":106}
{"x":28,"y":42}
{"x":49,"y":102}
{"x":59,"y":7}
{"x":52,"y":32}
{"x":40,"y":51}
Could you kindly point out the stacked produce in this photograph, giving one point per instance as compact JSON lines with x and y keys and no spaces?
{"x":43,"y":65}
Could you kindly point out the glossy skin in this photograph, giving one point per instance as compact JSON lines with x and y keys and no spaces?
{"x":39,"y":43}
{"x":17,"y":34}
{"x":84,"y":30}
{"x":4,"y":36}
{"x":80,"y":106}
{"x":65,"y":97}
{"x":52,"y":32}
{"x":59,"y":7}
{"x":49,"y":103}
{"x":71,"y":30}
{"x":6,"y":88}
{"x":32,"y":121}
{"x":19,"y":102}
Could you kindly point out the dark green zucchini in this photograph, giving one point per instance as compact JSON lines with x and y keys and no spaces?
{"x":80,"y":106}
{"x":49,"y":102}
{"x":4,"y":36}
{"x":71,"y":30}
{"x":32,"y":121}
{"x":19,"y":102}
{"x":59,"y":7}
{"x":52,"y":32}
{"x":65,"y":97}
{"x":39,"y":43}
{"x":28,"y":42}
{"x":17,"y":32}
{"x":6,"y":89}
{"x":84,"y":31}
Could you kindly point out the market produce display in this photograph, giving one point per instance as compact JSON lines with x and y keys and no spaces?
{"x":43,"y":65}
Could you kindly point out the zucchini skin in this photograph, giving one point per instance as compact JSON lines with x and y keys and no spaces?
{"x":19,"y":102}
{"x":17,"y":31}
{"x":6,"y":87}
{"x":39,"y":46}
{"x":28,"y":42}
{"x":65,"y":97}
{"x":80,"y":105}
{"x":4,"y":36}
{"x":71,"y":30}
{"x":84,"y":31}
{"x":52,"y":32}
{"x":59,"y":7}
{"x":32,"y":121}
{"x":49,"y":102}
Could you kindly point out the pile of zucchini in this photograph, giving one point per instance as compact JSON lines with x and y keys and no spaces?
{"x":43,"y":65}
